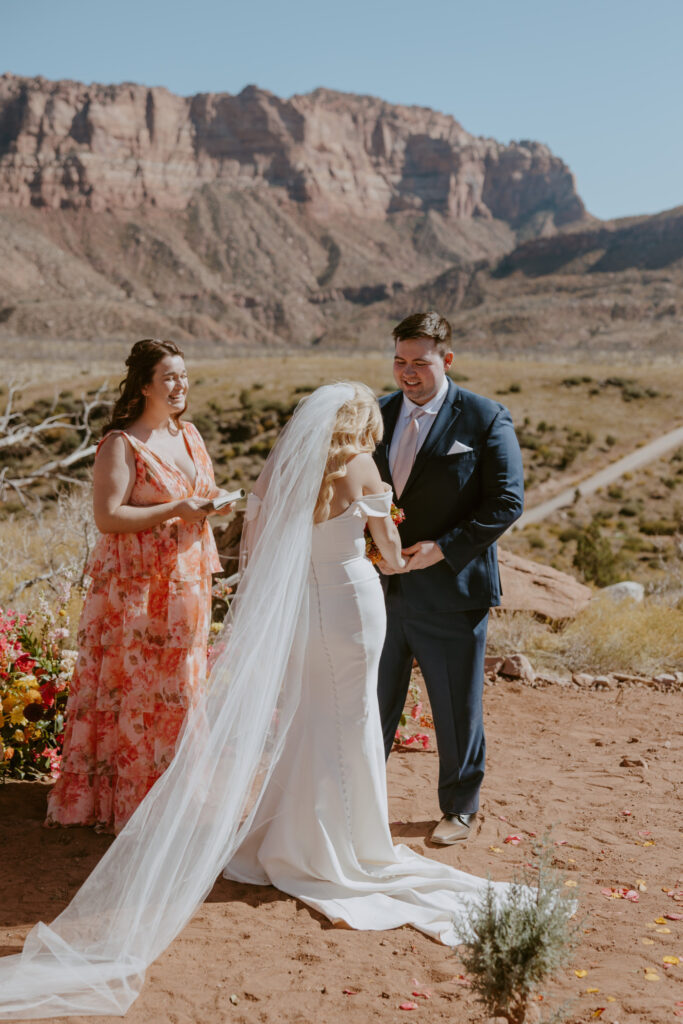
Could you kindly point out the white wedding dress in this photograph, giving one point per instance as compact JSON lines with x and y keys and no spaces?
{"x":278,"y":774}
{"x":321,"y":832}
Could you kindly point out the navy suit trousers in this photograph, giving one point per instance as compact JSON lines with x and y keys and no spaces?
{"x":449,"y":648}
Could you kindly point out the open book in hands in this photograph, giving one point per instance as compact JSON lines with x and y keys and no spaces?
{"x":227,"y":499}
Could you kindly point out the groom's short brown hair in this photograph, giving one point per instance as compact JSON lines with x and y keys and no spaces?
{"x":425,"y":325}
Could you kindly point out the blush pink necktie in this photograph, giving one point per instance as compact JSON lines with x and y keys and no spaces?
{"x":407,"y":450}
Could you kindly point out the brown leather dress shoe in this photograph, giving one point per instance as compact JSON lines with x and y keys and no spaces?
{"x":453,"y":828}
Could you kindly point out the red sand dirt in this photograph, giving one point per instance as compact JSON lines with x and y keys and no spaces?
{"x":252,"y":955}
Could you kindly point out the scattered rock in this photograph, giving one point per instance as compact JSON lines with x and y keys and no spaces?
{"x":582,"y":679}
{"x":602,"y":683}
{"x":633,"y":762}
{"x":493,"y":664}
{"x":625,"y":589}
{"x":666,"y":681}
{"x":518,"y":666}
{"x":530,"y":586}
{"x":623,"y":677}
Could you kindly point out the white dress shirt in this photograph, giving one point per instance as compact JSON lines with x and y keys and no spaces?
{"x":424,"y":423}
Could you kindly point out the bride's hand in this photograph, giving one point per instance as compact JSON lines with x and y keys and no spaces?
{"x":387,"y":570}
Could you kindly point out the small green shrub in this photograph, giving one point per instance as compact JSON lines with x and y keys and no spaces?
{"x":571,"y":533}
{"x":594,"y":557}
{"x":658,"y":527}
{"x":515,"y":944}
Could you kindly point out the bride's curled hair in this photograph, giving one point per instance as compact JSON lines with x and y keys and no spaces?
{"x":358,"y":428}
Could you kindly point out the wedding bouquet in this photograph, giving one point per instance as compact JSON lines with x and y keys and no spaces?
{"x":371,"y":550}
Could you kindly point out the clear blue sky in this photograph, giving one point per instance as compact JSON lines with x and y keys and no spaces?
{"x":599,"y":81}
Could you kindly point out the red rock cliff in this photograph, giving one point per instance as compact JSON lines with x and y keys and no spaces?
{"x":69,"y":145}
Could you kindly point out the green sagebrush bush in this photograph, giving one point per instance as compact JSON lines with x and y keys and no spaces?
{"x":514,"y":945}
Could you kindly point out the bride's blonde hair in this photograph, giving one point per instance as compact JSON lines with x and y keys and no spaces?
{"x":358,"y":428}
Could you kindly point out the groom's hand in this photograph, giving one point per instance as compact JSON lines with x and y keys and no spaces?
{"x":422,"y":555}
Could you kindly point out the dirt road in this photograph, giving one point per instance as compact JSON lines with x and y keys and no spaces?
{"x":636,"y":459}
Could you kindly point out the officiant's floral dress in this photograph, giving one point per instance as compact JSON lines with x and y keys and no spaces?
{"x":142,"y":641}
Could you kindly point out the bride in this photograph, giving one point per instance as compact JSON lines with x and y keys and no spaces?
{"x":279,"y":774}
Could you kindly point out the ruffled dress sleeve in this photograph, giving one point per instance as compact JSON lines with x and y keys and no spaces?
{"x":375,"y":505}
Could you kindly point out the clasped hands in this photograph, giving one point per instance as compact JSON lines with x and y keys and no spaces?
{"x":417,"y":556}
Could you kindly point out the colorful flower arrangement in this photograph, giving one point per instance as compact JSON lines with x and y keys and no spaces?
{"x":371,"y":550}
{"x":402,"y":737}
{"x":35,"y":672}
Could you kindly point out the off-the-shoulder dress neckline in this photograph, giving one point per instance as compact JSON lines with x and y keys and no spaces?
{"x":356,"y":501}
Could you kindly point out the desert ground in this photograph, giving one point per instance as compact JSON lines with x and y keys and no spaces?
{"x":255,"y":956}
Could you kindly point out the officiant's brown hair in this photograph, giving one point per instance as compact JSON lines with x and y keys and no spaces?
{"x":425,"y":325}
{"x":141,"y":362}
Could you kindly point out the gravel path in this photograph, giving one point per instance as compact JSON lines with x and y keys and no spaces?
{"x":636,"y":459}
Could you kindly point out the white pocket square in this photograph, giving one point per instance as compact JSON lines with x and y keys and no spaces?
{"x":458,"y":446}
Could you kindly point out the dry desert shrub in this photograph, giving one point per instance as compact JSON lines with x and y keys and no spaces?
{"x":42,"y":550}
{"x":644,"y":638}
{"x":510,"y":631}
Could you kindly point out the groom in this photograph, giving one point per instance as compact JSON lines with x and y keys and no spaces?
{"x":454,"y":463}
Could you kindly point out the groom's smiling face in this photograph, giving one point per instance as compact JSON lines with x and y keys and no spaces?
{"x":419,"y":369}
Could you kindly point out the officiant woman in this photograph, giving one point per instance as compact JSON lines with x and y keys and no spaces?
{"x":144,"y":626}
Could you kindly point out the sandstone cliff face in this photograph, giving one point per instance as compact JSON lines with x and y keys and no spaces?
{"x":68,"y":145}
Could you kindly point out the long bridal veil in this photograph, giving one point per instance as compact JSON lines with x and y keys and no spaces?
{"x":92,"y":958}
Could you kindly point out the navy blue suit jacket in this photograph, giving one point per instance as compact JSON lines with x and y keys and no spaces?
{"x":463,"y":501}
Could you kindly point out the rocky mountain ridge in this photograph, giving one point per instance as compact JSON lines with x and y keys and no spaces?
{"x":120,"y":147}
{"x":319,"y":220}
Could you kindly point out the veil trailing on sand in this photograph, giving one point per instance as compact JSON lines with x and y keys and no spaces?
{"x":92,"y":958}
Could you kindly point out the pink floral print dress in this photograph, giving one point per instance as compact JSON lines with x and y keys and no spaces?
{"x":142,"y":640}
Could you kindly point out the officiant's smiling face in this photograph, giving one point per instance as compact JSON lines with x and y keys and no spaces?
{"x":167,"y":391}
{"x":419,"y":369}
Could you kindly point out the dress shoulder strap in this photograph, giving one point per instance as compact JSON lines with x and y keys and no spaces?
{"x":133,"y":441}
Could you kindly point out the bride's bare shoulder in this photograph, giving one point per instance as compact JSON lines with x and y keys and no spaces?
{"x":363,"y":474}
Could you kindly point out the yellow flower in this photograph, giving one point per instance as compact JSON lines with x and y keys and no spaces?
{"x":17,"y":717}
{"x":34,"y":696}
{"x":10,"y":701}
{"x":19,"y":736}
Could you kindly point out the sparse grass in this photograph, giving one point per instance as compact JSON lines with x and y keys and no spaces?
{"x":644,"y":638}
{"x":511,"y":632}
{"x":44,"y":549}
